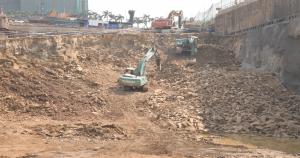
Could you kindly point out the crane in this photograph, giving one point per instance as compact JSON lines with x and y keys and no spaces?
{"x":135,"y":78}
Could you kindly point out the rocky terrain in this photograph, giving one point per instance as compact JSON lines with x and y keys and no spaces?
{"x":60,"y":98}
{"x":214,"y":94}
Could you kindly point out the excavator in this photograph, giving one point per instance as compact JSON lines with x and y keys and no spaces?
{"x":135,"y":78}
{"x":168,"y":23}
{"x":188,"y":45}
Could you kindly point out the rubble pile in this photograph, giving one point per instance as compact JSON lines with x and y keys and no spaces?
{"x":215,"y":55}
{"x":247,"y":102}
{"x":93,"y":130}
{"x":173,"y":112}
{"x":30,"y":92}
{"x":221,"y":99}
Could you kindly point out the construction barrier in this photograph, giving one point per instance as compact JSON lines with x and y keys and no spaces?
{"x":234,"y":16}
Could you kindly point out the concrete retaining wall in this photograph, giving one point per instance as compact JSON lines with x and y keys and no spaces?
{"x":253,"y":13}
{"x":274,"y":48}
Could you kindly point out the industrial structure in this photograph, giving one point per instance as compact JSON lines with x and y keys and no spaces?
{"x":76,"y":7}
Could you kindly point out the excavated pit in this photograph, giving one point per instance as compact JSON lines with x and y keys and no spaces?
{"x":65,"y":88}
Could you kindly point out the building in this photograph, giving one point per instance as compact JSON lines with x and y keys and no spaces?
{"x":77,"y":7}
{"x":10,"y":5}
{"x":4,"y":24}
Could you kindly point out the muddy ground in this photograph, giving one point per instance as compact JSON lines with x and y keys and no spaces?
{"x":60,"y":98}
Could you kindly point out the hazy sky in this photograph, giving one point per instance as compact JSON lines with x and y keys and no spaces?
{"x":156,"y":8}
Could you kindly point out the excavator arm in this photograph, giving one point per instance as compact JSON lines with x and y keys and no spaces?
{"x":174,"y":13}
{"x":179,"y":14}
{"x":141,"y":68}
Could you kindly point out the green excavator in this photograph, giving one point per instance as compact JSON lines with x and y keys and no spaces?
{"x":135,"y":78}
{"x":187,"y":45}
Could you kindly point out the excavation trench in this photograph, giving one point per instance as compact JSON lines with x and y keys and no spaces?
{"x":65,"y":88}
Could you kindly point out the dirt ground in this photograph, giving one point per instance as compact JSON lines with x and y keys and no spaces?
{"x":60,"y":98}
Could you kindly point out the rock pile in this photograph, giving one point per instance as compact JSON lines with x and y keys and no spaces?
{"x":172,"y":111}
{"x":93,"y":130}
{"x":215,"y":55}
{"x":226,"y":99}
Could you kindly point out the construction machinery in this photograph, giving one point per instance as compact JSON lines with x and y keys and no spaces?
{"x":135,"y":78}
{"x":187,"y":45}
{"x":169,"y":22}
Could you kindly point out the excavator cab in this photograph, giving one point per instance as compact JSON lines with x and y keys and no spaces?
{"x":188,"y":45}
{"x":129,"y":70}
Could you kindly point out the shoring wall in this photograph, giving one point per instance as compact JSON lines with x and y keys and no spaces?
{"x":254,"y":13}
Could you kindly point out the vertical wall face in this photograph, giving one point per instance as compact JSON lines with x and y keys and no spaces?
{"x":33,"y":6}
{"x":85,"y":7}
{"x":10,"y":5}
{"x":284,"y":8}
{"x":81,"y":7}
{"x":275,"y":49}
{"x":61,"y":6}
{"x":68,"y":6}
{"x":253,"y":13}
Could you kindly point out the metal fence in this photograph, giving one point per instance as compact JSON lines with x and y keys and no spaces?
{"x":208,"y":16}
{"x":236,"y":16}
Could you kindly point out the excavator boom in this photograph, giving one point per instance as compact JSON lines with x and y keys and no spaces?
{"x":140,"y":70}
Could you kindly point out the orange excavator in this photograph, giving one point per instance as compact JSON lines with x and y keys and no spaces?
{"x":168,"y":23}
